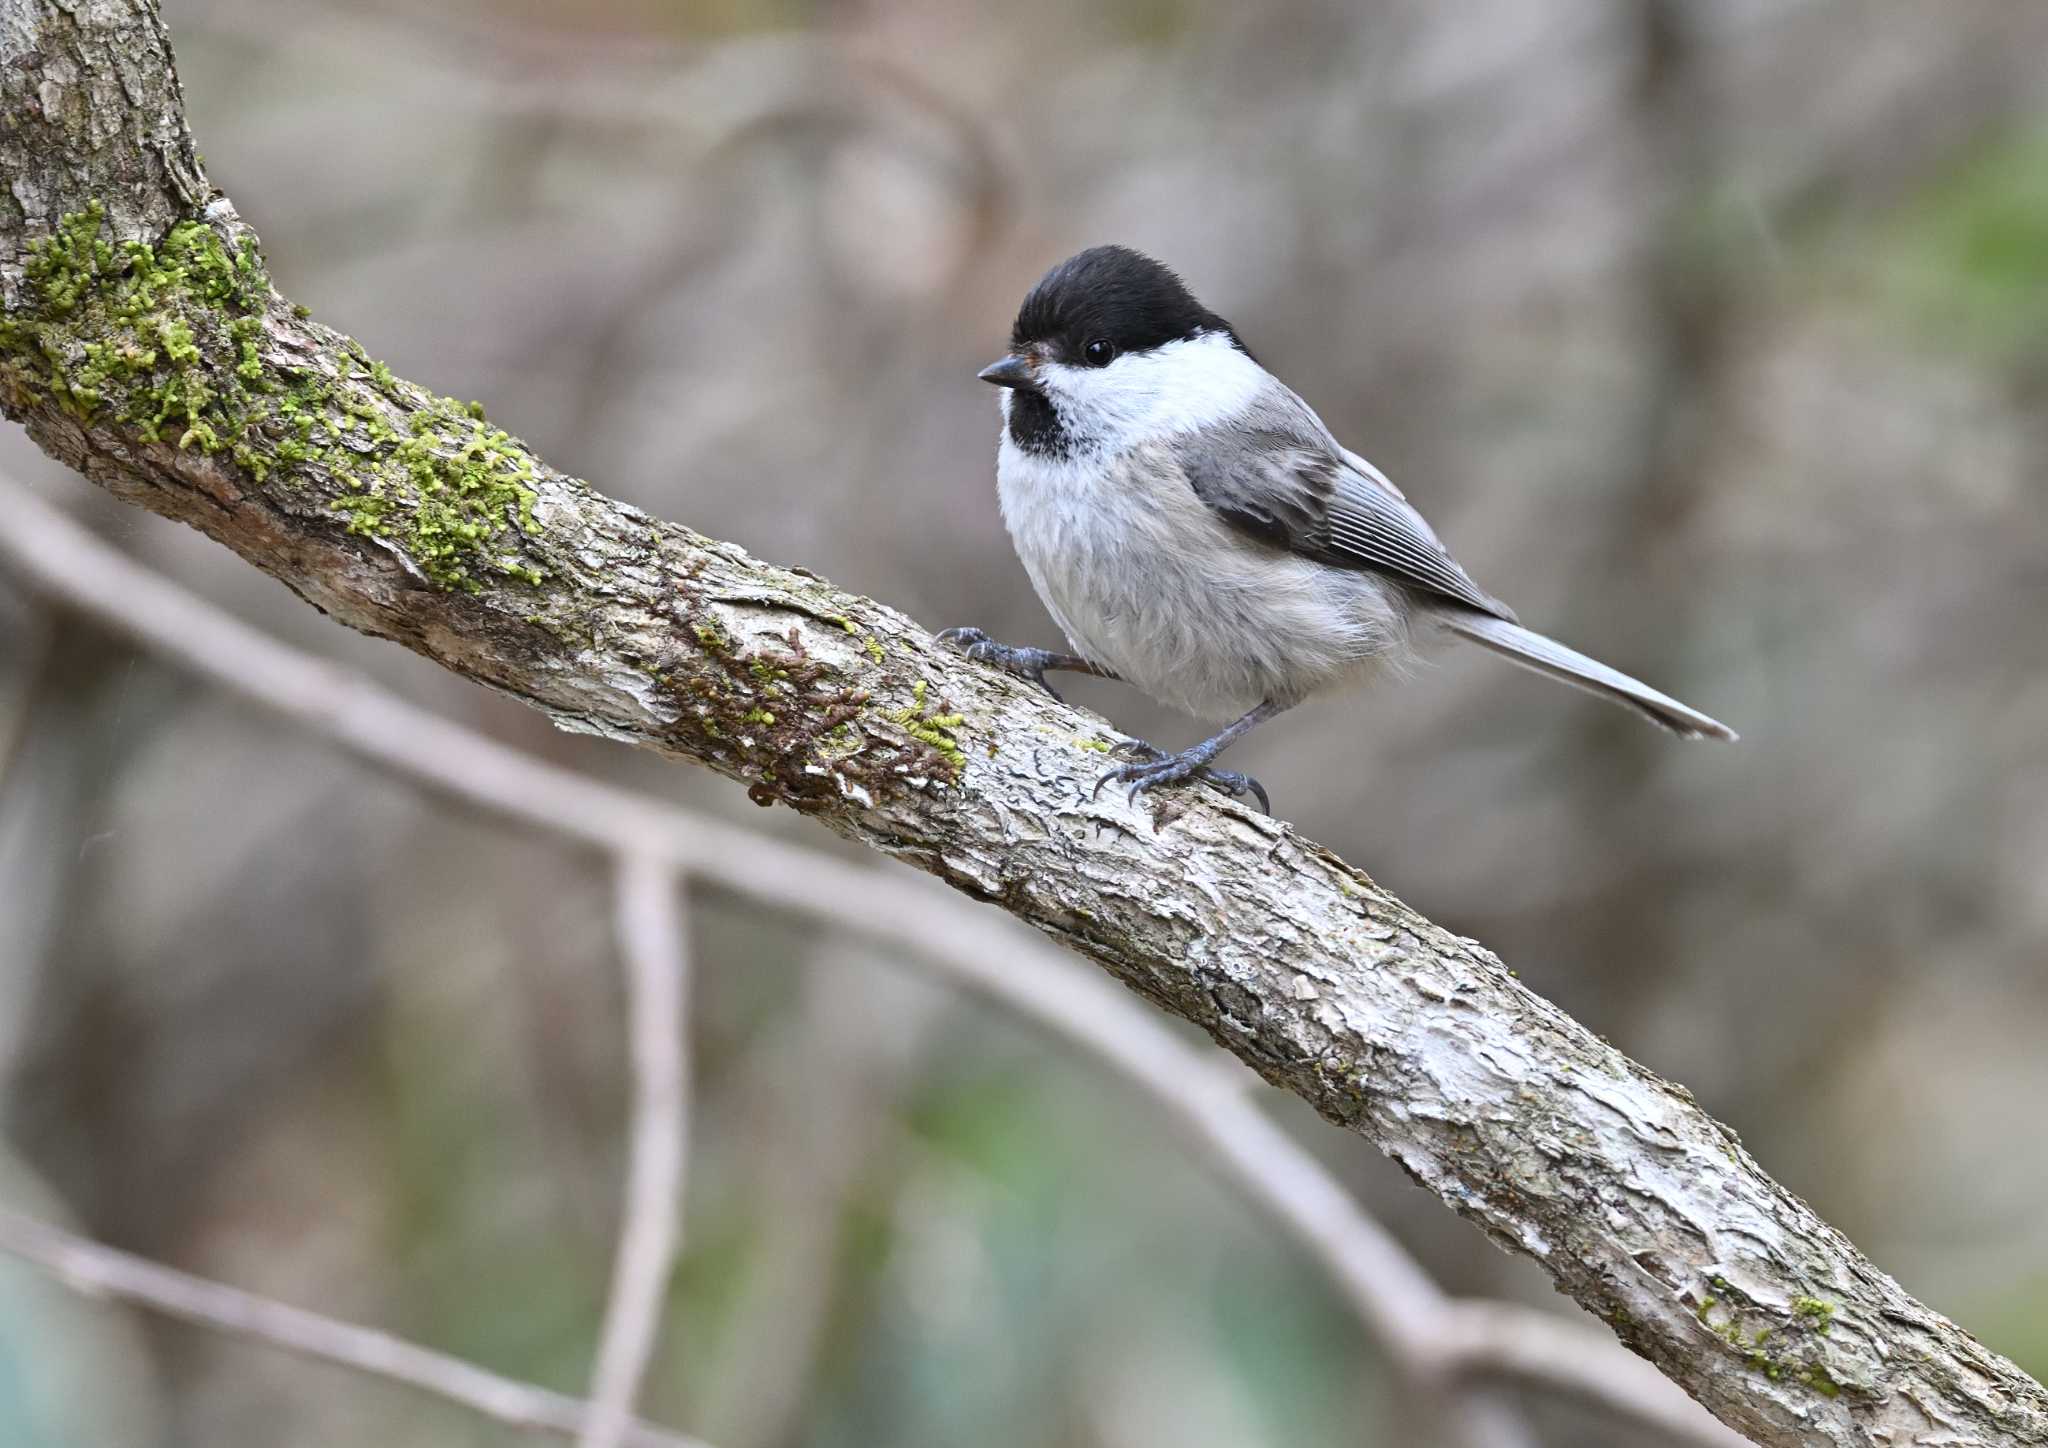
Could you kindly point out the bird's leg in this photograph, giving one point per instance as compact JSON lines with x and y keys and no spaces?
{"x":1019,"y":659}
{"x":1163,"y":768}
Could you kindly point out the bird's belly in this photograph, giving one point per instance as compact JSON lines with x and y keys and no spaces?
{"x":1144,"y":579}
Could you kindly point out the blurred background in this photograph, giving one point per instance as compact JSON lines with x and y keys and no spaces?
{"x":1712,"y":335}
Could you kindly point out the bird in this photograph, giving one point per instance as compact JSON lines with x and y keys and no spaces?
{"x":1197,"y":532}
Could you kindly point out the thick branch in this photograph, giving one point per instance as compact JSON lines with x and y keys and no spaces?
{"x":143,"y":345}
{"x":1433,"y":1340}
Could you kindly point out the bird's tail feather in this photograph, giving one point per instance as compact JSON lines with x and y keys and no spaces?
{"x":1548,"y":656}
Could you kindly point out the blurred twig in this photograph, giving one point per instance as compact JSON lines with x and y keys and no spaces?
{"x":653,"y":939}
{"x":774,"y":89}
{"x":1431,"y":1338}
{"x":100,"y":1271}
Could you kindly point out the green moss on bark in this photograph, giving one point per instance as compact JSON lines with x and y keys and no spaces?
{"x":1777,"y":1349}
{"x":173,"y":341}
{"x":162,"y":339}
{"x":932,"y":728}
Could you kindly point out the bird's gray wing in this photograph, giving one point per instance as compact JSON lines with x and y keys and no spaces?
{"x":1278,"y":476}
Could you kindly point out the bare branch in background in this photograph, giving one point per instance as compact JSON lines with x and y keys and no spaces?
{"x":653,"y":938}
{"x":407,"y":516}
{"x":99,"y":1271}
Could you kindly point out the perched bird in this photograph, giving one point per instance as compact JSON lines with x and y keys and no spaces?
{"x":1197,"y":532}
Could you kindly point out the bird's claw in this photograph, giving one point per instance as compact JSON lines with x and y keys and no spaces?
{"x":1157,"y":767}
{"x":1237,"y":785}
{"x":1024,"y":663}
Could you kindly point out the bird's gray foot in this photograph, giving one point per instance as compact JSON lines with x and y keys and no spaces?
{"x":1019,"y":659}
{"x":1157,"y":767}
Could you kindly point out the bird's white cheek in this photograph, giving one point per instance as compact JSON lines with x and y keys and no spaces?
{"x":1182,"y":387}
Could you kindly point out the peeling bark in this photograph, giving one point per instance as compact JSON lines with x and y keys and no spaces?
{"x":173,"y":375}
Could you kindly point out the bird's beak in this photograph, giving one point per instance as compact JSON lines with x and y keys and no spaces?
{"x":1014,"y":370}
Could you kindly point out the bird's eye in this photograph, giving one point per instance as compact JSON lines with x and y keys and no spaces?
{"x":1100,"y":353}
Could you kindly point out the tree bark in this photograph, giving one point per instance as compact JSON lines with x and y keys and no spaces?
{"x":142,"y":344}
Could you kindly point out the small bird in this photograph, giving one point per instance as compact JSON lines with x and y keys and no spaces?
{"x":1196,"y":531}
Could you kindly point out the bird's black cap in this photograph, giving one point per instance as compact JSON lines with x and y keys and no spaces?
{"x":1114,"y":293}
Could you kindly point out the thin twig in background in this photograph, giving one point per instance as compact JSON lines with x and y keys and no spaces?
{"x":653,"y":940}
{"x":1421,"y":1329}
{"x":99,"y":1271}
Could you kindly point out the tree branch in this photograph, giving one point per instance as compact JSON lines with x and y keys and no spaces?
{"x":143,"y":344}
{"x":1433,"y":1341}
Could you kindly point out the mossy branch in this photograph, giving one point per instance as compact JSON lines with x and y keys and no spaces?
{"x":179,"y":347}
{"x":142,"y":343}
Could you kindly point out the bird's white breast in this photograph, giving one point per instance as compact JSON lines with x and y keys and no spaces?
{"x":1145,"y":578}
